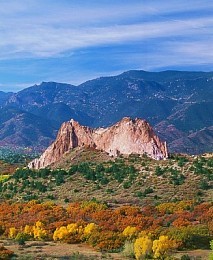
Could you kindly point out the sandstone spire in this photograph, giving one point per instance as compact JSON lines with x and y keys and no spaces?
{"x":125,"y":137}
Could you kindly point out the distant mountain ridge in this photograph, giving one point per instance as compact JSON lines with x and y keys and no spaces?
{"x":178,"y":105}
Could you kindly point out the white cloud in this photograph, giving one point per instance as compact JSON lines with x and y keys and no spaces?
{"x":181,"y":55}
{"x":47,"y":41}
{"x":37,"y":28}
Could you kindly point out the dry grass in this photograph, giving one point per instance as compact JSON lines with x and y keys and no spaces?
{"x":51,"y":250}
{"x":194,"y":254}
{"x":6,"y":168}
{"x":79,"y":155}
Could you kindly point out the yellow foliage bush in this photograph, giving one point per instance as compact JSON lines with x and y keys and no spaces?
{"x":130,"y":232}
{"x":91,"y":227}
{"x":60,"y":233}
{"x":162,"y":246}
{"x":142,"y":247}
{"x":28,"y":230}
{"x":72,"y":228}
{"x":38,"y":231}
{"x":13,"y":232}
{"x":171,"y":207}
{"x":70,"y":233}
{"x":92,"y":206}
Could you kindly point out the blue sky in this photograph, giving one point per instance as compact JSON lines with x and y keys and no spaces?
{"x":75,"y":40}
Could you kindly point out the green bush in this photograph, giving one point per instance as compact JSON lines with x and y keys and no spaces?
{"x":126,"y":185}
{"x":191,"y":237}
{"x":21,"y":238}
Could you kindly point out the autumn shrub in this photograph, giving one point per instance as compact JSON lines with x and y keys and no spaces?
{"x":93,"y":206}
{"x":2,"y":230}
{"x":28,"y":230}
{"x":12,"y":232}
{"x":75,"y":232}
{"x":60,"y":233}
{"x":142,"y":247}
{"x":108,"y":228}
{"x":72,"y":233}
{"x":181,"y":222}
{"x":94,"y":238}
{"x":89,"y":229}
{"x":130,"y":232}
{"x":106,"y":240}
{"x":73,"y":238}
{"x":172,"y":207}
{"x":5,"y":254}
{"x":162,"y":246}
{"x":39,"y":232}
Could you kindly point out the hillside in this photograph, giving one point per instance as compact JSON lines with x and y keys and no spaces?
{"x":177,"y":104}
{"x":85,"y":174}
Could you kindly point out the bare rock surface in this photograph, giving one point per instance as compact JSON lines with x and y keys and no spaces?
{"x":128,"y":136}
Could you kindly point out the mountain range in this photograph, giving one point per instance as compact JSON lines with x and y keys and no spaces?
{"x":177,"y":104}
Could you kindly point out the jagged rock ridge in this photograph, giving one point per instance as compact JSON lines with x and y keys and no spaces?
{"x":125,"y":137}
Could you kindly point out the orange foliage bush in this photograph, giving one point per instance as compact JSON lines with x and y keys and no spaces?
{"x":181,"y":222}
{"x":106,"y":240}
{"x":104,"y":225}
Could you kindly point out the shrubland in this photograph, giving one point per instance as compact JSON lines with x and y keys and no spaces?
{"x":152,"y":230}
{"x":131,"y":180}
{"x":144,"y":208}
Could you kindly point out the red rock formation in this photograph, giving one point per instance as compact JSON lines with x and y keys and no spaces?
{"x":126,"y":137}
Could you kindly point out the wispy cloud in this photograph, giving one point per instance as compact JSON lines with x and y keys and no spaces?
{"x":37,"y":30}
{"x":49,"y":41}
{"x":47,"y":28}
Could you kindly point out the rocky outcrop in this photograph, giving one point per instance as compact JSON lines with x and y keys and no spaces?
{"x":128,"y":136}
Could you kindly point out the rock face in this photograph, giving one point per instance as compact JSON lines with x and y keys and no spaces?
{"x":128,"y":136}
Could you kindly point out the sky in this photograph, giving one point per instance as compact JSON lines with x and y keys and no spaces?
{"x":76,"y":40}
